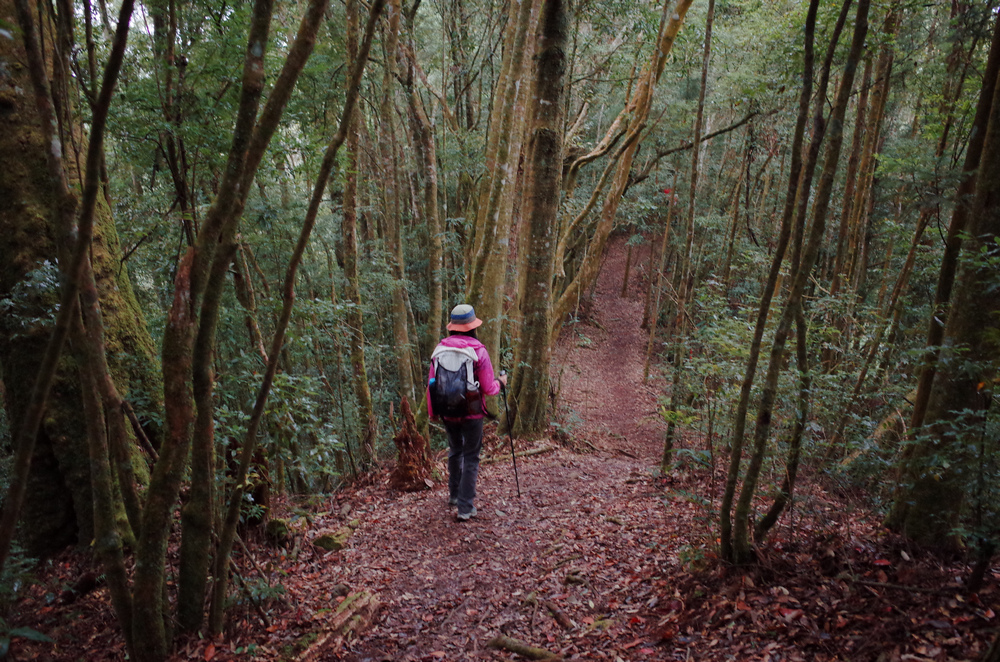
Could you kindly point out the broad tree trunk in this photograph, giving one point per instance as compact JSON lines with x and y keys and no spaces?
{"x":953,"y":242}
{"x":490,"y":241}
{"x":528,"y":405}
{"x":32,"y":235}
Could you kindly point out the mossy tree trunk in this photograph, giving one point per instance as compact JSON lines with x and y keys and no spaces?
{"x":528,"y":405}
{"x":489,"y":244}
{"x":59,"y":505}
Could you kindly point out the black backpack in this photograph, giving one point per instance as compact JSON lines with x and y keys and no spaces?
{"x":454,"y":389}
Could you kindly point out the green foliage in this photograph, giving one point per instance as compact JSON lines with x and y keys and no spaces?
{"x":14,"y":580}
{"x":677,"y":417}
{"x":257,"y":592}
{"x":7,"y":633}
{"x":31,"y":307}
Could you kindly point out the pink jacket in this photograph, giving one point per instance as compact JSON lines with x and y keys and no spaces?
{"x":488,"y":385}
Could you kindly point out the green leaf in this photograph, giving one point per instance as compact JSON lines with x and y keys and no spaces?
{"x":33,"y":635}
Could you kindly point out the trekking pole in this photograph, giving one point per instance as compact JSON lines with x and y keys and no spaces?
{"x":506,"y":413}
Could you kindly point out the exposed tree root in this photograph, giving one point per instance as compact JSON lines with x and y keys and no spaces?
{"x":558,"y":614}
{"x":521,"y":648}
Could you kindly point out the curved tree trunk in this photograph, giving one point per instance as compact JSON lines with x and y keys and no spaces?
{"x":637,"y":110}
{"x":784,"y":234}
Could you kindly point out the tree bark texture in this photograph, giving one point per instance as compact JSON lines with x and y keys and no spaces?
{"x":528,"y":404}
{"x":37,"y":210}
{"x":486,"y":278}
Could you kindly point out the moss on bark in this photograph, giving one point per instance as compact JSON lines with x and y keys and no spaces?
{"x":59,"y":503}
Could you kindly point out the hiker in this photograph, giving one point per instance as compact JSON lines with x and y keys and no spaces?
{"x":461,"y":375}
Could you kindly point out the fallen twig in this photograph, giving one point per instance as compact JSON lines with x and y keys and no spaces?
{"x":527,"y":453}
{"x":354,"y":614}
{"x":902,"y":587}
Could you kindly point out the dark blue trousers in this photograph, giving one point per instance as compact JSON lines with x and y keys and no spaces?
{"x":465,"y":441}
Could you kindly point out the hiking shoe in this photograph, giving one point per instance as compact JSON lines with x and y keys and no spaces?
{"x":465,"y":517}
{"x":453,"y":501}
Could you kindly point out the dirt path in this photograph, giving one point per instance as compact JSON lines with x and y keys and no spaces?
{"x":600,"y":558}
{"x":581,"y":539}
{"x":599,"y":363}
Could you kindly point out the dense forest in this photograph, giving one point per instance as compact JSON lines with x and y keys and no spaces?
{"x":231,"y":235}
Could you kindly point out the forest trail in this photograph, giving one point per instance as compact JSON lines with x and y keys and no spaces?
{"x":600,"y":558}
{"x":584,"y":538}
{"x":599,"y":361}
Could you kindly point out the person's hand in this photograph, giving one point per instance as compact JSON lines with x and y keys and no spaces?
{"x":503,"y":378}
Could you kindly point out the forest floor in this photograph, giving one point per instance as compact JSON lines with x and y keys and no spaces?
{"x":599,"y":558}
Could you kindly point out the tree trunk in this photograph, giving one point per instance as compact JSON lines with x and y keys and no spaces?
{"x":771,"y":286}
{"x":391,"y":205}
{"x":654,"y":318}
{"x":528,"y":405}
{"x":686,"y":267}
{"x":929,"y":503}
{"x":487,"y":266}
{"x":427,"y":177}
{"x":850,"y":183}
{"x":59,"y":504}
{"x":953,"y":242}
{"x":227,"y":534}
{"x":741,"y":551}
{"x":352,"y":290}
